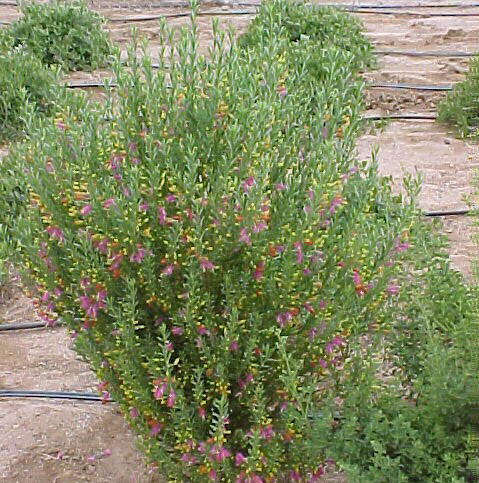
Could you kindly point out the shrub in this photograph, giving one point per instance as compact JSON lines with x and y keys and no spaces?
{"x":461,"y":106}
{"x":66,"y":34}
{"x":214,"y":247}
{"x":26,"y":89}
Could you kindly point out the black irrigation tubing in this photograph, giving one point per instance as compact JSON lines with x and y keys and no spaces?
{"x":402,"y":6}
{"x":424,"y":54}
{"x":79,"y":396}
{"x":211,"y":13}
{"x":413,"y":14}
{"x":92,"y":84}
{"x":431,"y":214}
{"x":400,"y":117}
{"x":27,"y":325}
{"x":411,"y":86}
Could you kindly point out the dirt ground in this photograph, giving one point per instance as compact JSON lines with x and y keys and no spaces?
{"x":64,"y":442}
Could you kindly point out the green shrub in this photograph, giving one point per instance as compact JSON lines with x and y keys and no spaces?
{"x":215,"y":248}
{"x":381,"y":438}
{"x":461,"y":106}
{"x":26,"y":89}
{"x":66,"y":34}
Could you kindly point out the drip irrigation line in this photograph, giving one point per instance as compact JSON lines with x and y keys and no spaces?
{"x":413,"y":14}
{"x":400,"y":117}
{"x":211,"y":13}
{"x":80,"y":396}
{"x":93,"y":84}
{"x":410,"y":86}
{"x":401,"y":7}
{"x":27,"y":325}
{"x":424,"y":54}
{"x":431,"y":214}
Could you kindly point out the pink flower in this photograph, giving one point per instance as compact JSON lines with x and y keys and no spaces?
{"x":244,"y":237}
{"x":212,"y":475}
{"x":133,"y":413}
{"x":155,"y":429}
{"x":168,"y":270}
{"x":283,"y":317}
{"x":170,"y":198}
{"x":392,"y":289}
{"x":177,"y":330}
{"x":161,"y":215}
{"x":259,"y":227}
{"x":138,"y":255}
{"x":144,"y":206}
{"x":299,"y":252}
{"x":86,"y":210}
{"x":109,"y":202}
{"x":279,"y":186}
{"x":308,"y":308}
{"x":107,"y":452}
{"x":337,"y":201}
{"x":322,"y":363}
{"x":267,"y":432}
{"x":239,"y":458}
{"x":55,"y":232}
{"x":259,"y":271}
{"x":159,"y":389}
{"x":247,"y":184}
{"x":187,"y":458}
{"x":233,"y":345}
{"x":202,"y":330}
{"x":205,"y":264}
{"x":202,"y":412}
{"x":171,"y":399}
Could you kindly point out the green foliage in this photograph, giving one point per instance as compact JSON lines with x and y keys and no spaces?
{"x":381,"y":438}
{"x":26,"y":89}
{"x":222,"y":259}
{"x":67,"y":34}
{"x":461,"y":106}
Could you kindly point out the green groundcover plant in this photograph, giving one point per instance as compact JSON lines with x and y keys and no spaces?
{"x":67,"y":34}
{"x":26,"y":89}
{"x":224,"y":264}
{"x":460,"y":108}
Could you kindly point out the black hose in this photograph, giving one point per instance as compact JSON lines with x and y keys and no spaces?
{"x":410,"y":86}
{"x":211,"y":13}
{"x":400,"y":117}
{"x":400,"y":7}
{"x":424,"y":54}
{"x":82,"y":396}
{"x":87,"y":85}
{"x":413,"y":14}
{"x":27,"y":325}
{"x":447,"y":213}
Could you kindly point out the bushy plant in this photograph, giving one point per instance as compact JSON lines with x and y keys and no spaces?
{"x":216,"y":250}
{"x":26,"y":89}
{"x":460,"y":108}
{"x":67,"y":34}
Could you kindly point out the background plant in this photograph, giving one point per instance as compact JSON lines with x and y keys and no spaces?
{"x":26,"y":88}
{"x":226,"y":266}
{"x":67,"y":34}
{"x":461,"y":106}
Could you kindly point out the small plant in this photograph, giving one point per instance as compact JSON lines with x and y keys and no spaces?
{"x":461,"y":106}
{"x":26,"y":88}
{"x":69,"y":35}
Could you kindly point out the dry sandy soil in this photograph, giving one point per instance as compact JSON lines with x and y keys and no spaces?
{"x":65,"y":442}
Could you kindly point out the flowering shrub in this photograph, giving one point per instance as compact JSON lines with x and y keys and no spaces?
{"x":216,"y":251}
{"x":66,"y":34}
